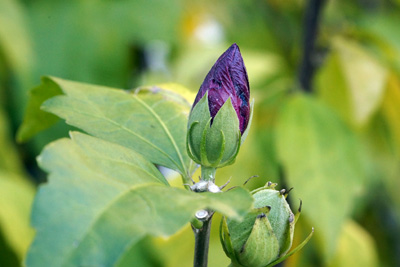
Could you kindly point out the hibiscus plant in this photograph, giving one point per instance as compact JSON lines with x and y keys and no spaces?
{"x":105,"y":191}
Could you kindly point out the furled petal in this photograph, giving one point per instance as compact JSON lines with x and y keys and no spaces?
{"x":228,"y":78}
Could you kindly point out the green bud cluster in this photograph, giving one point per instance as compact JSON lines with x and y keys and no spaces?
{"x":265,"y":235}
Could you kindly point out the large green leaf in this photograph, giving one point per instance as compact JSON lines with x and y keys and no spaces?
{"x":352,"y":81}
{"x":102,"y":198}
{"x":147,"y":121}
{"x":322,"y":160}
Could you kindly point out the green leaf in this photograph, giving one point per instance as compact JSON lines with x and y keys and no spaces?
{"x":352,"y":81}
{"x":382,"y":142}
{"x":356,"y":248}
{"x":175,"y":92}
{"x":17,"y":57}
{"x":35,"y":119}
{"x":14,"y":37}
{"x":110,"y":34}
{"x":147,"y":121}
{"x":16,"y":196}
{"x":102,"y":199}
{"x":322,"y":161}
{"x":8,"y":152}
{"x":391,"y":110}
{"x":143,"y":254}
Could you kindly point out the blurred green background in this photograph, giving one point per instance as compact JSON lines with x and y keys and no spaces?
{"x":338,"y":146}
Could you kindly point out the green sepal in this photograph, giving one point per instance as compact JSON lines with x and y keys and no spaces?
{"x":221,"y":152}
{"x":292,"y":251}
{"x":264,"y":210}
{"x":233,"y":159}
{"x":268,"y":185}
{"x":287,"y":238}
{"x":297,"y":216}
{"x":239,"y":232}
{"x":188,"y":143}
{"x":198,"y":119}
{"x":225,"y":239}
{"x":226,"y":121}
{"x":262,"y":246}
{"x":217,"y":143}
{"x":280,"y":216}
{"x":203,"y":145}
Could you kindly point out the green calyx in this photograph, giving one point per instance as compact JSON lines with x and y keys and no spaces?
{"x":213,"y":145}
{"x":265,"y":235}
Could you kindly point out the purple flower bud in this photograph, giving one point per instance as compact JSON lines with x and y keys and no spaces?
{"x":228,"y":78}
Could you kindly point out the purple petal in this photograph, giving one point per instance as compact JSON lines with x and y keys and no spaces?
{"x":228,"y":78}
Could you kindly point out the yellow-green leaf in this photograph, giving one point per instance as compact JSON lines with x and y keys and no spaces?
{"x":322,"y":161}
{"x":356,"y":248}
{"x":352,"y":81}
{"x":16,"y":196}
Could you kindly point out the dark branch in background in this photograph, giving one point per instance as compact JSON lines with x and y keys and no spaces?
{"x":311,"y":20}
{"x":139,"y":64}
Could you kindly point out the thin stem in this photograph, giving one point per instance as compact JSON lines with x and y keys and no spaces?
{"x":311,"y":21}
{"x":202,"y":240}
{"x":208,"y":173}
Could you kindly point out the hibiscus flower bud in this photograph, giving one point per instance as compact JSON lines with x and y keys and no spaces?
{"x":221,"y":113}
{"x":265,"y":235}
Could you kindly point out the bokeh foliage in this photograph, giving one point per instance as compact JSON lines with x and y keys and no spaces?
{"x":338,"y":146}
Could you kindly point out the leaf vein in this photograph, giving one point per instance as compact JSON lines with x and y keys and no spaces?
{"x":166,"y":130}
{"x":129,"y":131}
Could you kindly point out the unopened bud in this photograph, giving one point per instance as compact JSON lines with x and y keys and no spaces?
{"x":220,"y":115}
{"x":265,"y":235}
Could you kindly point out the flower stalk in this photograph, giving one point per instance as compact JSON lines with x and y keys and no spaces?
{"x":208,"y":173}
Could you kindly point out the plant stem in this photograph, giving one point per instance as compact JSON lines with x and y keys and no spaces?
{"x":208,"y":173}
{"x":307,"y":65}
{"x":202,"y":239}
{"x":202,"y":231}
